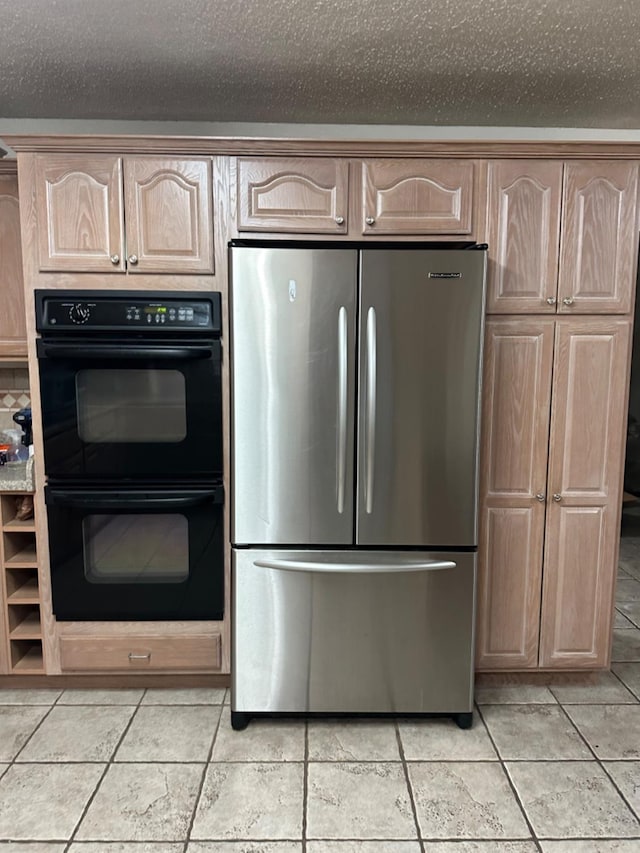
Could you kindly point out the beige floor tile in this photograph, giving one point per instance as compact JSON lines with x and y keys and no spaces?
{"x":11,"y":696}
{"x":264,"y":739}
{"x":570,"y":799}
{"x":17,"y":724}
{"x":245,"y":847}
{"x":143,"y":802}
{"x":101,"y":697}
{"x":515,"y":694}
{"x":621,"y":621}
{"x":353,"y":740}
{"x":122,"y":847}
{"x":480,"y":847}
{"x":612,"y":731}
{"x":627,"y":590}
{"x":465,"y":800}
{"x":626,"y":644}
{"x":45,"y":801}
{"x":626,"y":775}
{"x":184,"y":696}
{"x":77,"y":733}
{"x":250,"y":801}
{"x":630,"y":674}
{"x":176,"y":733}
{"x":591,"y":846}
{"x":359,"y":801}
{"x":533,"y":732}
{"x":631,"y":612}
{"x":597,"y":687}
{"x":32,"y":847}
{"x":363,"y":847}
{"x":443,"y":740}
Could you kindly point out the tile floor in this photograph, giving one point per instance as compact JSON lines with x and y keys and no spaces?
{"x":547,"y":767}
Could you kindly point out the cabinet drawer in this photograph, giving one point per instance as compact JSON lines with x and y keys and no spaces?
{"x":124,"y":654}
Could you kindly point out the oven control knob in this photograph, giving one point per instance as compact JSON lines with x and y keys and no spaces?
{"x":79,"y":313}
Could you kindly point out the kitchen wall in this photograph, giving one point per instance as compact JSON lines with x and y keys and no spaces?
{"x":14,"y":394}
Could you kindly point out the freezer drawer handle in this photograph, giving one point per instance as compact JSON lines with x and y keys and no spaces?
{"x":342,"y":408}
{"x":354,"y":568}
{"x":371,"y":408}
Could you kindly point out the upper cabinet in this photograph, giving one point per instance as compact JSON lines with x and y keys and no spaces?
{"x":416,"y":196}
{"x":387,"y":196}
{"x":562,"y":237}
{"x":296,"y":194}
{"x":13,"y":332}
{"x":133,"y":214}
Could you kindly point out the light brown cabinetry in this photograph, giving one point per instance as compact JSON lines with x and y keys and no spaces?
{"x":562,"y":237}
{"x":387,"y":196}
{"x":22,"y":637}
{"x":13,"y":332}
{"x":555,"y":396}
{"x":140,"y":653}
{"x":83,"y":203}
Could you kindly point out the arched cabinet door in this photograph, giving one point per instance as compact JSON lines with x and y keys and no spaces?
{"x":79,"y":212}
{"x":523,"y":221}
{"x":293,"y":194}
{"x":417,"y":196}
{"x":168,"y":215}
{"x":599,"y":247}
{"x":13,"y":331}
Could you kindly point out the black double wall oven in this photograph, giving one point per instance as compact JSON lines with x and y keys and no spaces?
{"x":131,"y":398}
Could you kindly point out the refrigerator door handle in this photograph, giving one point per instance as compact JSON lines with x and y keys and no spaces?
{"x":341,"y":470}
{"x":371,"y":409}
{"x":354,"y":568}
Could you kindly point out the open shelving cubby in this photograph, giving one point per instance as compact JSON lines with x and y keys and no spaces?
{"x":21,"y":592}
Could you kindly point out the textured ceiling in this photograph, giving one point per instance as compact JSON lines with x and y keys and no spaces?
{"x":562,"y":63}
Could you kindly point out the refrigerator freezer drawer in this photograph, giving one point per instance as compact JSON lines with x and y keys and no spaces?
{"x":352,"y":632}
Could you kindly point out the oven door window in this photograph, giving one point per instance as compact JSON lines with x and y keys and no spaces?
{"x":131,"y":406}
{"x":136,"y":548}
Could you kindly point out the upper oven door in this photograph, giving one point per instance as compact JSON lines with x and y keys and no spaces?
{"x":127,"y":411}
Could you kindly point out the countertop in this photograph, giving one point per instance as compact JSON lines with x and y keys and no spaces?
{"x":17,"y":477}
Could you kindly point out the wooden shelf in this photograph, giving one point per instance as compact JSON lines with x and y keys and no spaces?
{"x":28,"y":593}
{"x":25,"y":559}
{"x":31,"y":662}
{"x":17,"y":526}
{"x":28,"y":629}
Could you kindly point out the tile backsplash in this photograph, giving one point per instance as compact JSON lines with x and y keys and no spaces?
{"x":14,"y":394}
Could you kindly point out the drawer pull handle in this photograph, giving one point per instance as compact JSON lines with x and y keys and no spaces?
{"x":140,"y":657}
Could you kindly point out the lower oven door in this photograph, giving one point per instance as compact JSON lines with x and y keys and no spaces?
{"x":136,"y":554}
{"x":116,"y":410}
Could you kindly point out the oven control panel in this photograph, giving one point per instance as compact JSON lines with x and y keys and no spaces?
{"x":129,"y":311}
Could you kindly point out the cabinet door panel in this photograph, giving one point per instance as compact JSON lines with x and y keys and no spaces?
{"x":523,"y":236}
{"x":169,"y":220}
{"x":298,"y":194}
{"x":588,"y":420}
{"x":417,"y":196}
{"x":80,"y":213}
{"x":13,"y":331}
{"x":516,"y":408}
{"x":599,"y":238}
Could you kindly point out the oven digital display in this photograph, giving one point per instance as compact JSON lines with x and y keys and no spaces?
{"x":155,"y":309}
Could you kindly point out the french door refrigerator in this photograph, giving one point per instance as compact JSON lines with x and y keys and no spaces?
{"x":355,"y":413}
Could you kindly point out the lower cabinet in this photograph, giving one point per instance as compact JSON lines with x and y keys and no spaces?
{"x":555,"y":394}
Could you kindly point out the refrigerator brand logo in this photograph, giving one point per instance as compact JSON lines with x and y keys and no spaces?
{"x":293,"y":290}
{"x":445,"y":275}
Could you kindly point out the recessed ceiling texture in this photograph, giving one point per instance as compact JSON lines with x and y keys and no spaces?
{"x":553,"y":63}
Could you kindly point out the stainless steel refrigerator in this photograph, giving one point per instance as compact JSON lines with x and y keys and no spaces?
{"x":355,"y":413}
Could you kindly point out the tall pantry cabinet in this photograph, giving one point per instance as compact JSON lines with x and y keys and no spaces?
{"x":563,"y":242}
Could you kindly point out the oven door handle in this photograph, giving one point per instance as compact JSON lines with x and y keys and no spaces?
{"x":123,"y":351}
{"x":96,"y":501}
